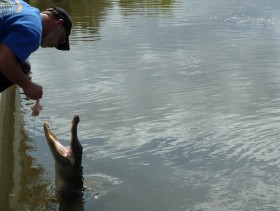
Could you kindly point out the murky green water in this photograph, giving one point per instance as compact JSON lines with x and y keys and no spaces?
{"x":179,"y":105}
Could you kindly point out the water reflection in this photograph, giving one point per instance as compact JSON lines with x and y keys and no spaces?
{"x":23,"y":185}
{"x":146,"y":8}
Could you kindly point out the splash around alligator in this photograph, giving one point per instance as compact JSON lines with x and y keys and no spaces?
{"x":69,"y":181}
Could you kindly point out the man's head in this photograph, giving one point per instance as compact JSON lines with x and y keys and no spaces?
{"x":56,"y":29}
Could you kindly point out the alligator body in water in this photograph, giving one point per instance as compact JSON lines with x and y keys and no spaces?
{"x":68,"y":162}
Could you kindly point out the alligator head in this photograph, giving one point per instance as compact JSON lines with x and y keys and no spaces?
{"x":68,"y":162}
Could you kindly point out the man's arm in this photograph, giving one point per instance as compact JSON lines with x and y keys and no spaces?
{"x":10,"y":68}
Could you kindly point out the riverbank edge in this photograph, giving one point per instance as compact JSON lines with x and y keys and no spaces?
{"x":10,"y":158}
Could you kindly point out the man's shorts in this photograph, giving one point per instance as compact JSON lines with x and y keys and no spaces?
{"x":6,"y":83}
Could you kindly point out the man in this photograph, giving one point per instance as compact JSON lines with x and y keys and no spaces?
{"x":22,"y":30}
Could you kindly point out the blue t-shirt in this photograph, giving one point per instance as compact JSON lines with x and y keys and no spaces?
{"x":20,"y":27}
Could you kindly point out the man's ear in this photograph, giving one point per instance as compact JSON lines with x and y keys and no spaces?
{"x":59,"y":22}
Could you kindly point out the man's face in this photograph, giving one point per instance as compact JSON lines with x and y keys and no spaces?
{"x":54,"y":37}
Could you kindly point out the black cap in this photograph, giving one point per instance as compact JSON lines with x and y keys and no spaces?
{"x":60,"y":13}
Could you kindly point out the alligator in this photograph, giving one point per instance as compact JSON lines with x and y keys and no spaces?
{"x":68,"y":163}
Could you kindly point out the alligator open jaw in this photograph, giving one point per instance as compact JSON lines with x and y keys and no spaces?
{"x":68,"y":160}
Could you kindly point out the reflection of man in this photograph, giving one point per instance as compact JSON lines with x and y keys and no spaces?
{"x":22,"y":30}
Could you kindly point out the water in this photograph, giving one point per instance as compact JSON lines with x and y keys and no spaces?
{"x":178,"y":100}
